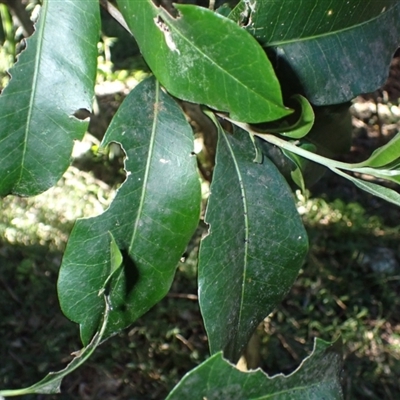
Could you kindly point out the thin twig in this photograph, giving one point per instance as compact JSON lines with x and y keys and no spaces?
{"x":185,"y":342}
{"x":287,"y":346}
{"x":183,"y":296}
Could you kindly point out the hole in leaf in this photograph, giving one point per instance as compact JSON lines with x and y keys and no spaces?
{"x":167,"y":33}
{"x":168,"y":6}
{"x":82,"y":114}
{"x":105,"y":163}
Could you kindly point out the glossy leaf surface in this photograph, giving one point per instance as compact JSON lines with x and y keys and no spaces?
{"x":318,"y":377}
{"x":327,"y":43}
{"x":205,"y":58}
{"x":151,"y":219}
{"x":255,"y":246}
{"x":52,"y":80}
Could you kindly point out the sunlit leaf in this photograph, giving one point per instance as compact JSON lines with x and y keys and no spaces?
{"x":151,"y":219}
{"x":205,"y":58}
{"x":384,"y":155}
{"x":50,"y":90}
{"x":338,"y":166}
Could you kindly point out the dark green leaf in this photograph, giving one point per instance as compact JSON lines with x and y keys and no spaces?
{"x":205,"y":58}
{"x":52,"y":80}
{"x":337,"y":49}
{"x":224,"y":10}
{"x":317,"y":378}
{"x":332,"y":130}
{"x":255,"y":246}
{"x":152,"y":218}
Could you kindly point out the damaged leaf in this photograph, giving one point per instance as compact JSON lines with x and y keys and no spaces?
{"x":50,"y":90}
{"x":150,"y":221}
{"x":330,"y":50}
{"x":255,"y":246}
{"x":196,"y":57}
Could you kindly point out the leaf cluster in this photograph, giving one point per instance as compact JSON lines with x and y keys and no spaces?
{"x":269,"y":75}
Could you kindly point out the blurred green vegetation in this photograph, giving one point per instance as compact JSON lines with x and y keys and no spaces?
{"x":7,"y":44}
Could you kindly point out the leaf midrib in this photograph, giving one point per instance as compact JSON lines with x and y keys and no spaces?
{"x":327,"y":34}
{"x":171,"y":26}
{"x":36,"y":73}
{"x":147,"y":170}
{"x":246,"y":224}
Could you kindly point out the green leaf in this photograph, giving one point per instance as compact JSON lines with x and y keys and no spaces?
{"x":325,"y":43}
{"x":152,"y":217}
{"x":392,"y":175}
{"x":255,"y":246}
{"x":224,"y":10}
{"x":51,"y":383}
{"x":302,"y":125}
{"x":205,"y":58}
{"x":52,"y":80}
{"x":284,"y":164}
{"x":384,"y":155}
{"x":116,"y":256}
{"x":336,"y":166}
{"x":384,"y":193}
{"x":116,"y":260}
{"x":318,"y":377}
{"x":300,"y":165}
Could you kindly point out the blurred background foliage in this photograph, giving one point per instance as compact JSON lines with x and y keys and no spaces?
{"x":348,"y":287}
